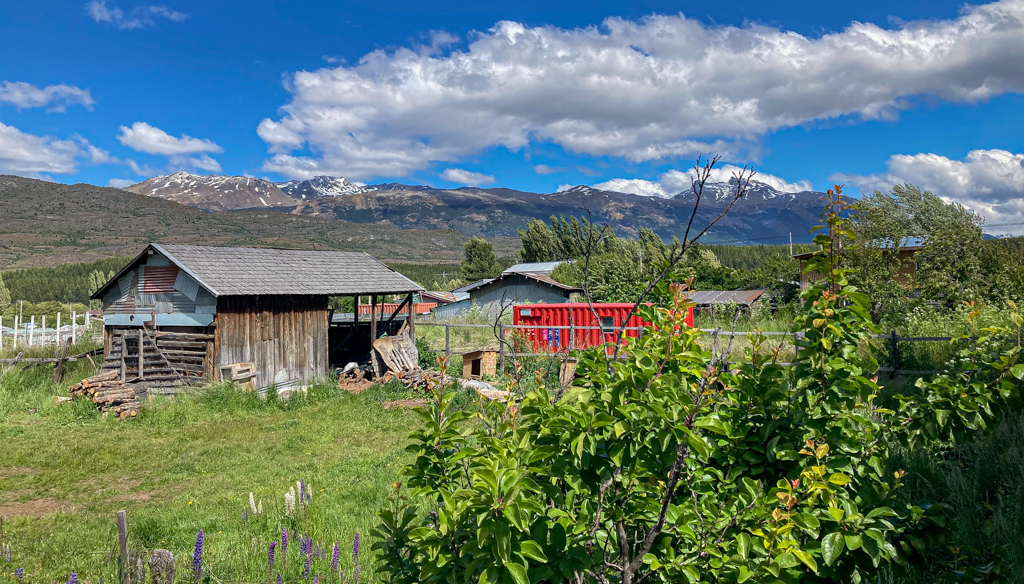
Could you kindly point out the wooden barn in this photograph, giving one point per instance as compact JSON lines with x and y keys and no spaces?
{"x":183,"y":313}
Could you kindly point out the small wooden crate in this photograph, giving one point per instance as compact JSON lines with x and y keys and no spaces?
{"x":243,"y":374}
{"x":480,"y":363}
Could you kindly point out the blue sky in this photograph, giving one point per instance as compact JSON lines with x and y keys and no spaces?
{"x":528,"y":95}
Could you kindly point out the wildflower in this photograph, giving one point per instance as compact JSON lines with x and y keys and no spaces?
{"x":73,"y":579}
{"x":309,"y":563}
{"x":5,"y":551}
{"x":252,"y":504}
{"x":289,"y":504}
{"x":284,"y":541}
{"x":316,"y":580}
{"x":245,"y":515}
{"x":197,"y":556}
{"x":302,"y":490}
{"x":334,"y":558}
{"x":279,"y":578}
{"x":355,"y":550}
{"x":259,"y":508}
{"x":19,"y":574}
{"x":270,"y":554}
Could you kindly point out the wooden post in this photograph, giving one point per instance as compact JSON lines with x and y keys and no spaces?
{"x":141,"y":351}
{"x":58,"y":327}
{"x":122,"y":547}
{"x":42,"y":337}
{"x":373,"y":335}
{"x":501,"y":347}
{"x":74,"y":328}
{"x":895,"y":354}
{"x":412,"y":318}
{"x":58,"y":369}
{"x":32,"y":331}
{"x":447,"y":340}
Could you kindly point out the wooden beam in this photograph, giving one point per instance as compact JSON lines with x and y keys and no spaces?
{"x":373,"y":335}
{"x":412,"y":318}
{"x":398,"y":310}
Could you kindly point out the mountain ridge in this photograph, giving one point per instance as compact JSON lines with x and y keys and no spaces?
{"x":498,"y":211}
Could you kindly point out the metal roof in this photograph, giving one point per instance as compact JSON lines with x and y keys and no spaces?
{"x":533,"y":276}
{"x":708,"y":297}
{"x":533,"y":268}
{"x":472,"y":285}
{"x":249,"y":271}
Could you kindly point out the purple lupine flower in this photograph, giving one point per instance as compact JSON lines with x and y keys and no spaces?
{"x":270,"y":554}
{"x":316,"y":580}
{"x":302,"y":490}
{"x":355,"y":550}
{"x":279,"y":578}
{"x":309,"y":563}
{"x":284,"y":541}
{"x":19,"y":574}
{"x":245,"y":515}
{"x":197,"y":556}
{"x":73,"y":579}
{"x":334,"y":558}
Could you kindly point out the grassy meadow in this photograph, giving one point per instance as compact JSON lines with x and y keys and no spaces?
{"x":186,"y":465}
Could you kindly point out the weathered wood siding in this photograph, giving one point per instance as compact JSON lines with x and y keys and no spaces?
{"x":285,"y":337}
{"x":156,"y":289}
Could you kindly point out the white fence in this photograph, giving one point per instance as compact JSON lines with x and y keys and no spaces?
{"x":31,"y":333}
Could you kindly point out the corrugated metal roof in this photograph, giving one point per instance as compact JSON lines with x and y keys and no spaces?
{"x":707,"y":297}
{"x":533,"y":268}
{"x":248,"y":271}
{"x":547,"y":279}
{"x":471,"y":286}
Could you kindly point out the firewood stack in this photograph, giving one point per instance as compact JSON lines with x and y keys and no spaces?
{"x":109,"y":393}
{"x":418,"y":379}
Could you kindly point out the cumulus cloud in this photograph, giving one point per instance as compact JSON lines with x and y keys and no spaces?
{"x":201,"y":162}
{"x":120,"y":183}
{"x":29,"y":155}
{"x":56,"y":98}
{"x":989,"y":182}
{"x":143,"y":137}
{"x":674,"y":182}
{"x":138,"y":17}
{"x":466,"y":177}
{"x":657,"y":88}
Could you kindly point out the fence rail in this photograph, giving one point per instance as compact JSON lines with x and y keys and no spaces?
{"x":893,"y":339}
{"x":25,"y":333}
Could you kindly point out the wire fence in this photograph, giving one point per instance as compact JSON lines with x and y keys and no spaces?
{"x":898,"y":355}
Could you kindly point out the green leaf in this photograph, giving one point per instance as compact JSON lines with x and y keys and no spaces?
{"x":743,"y":545}
{"x":807,"y":559}
{"x":839,"y":478}
{"x":745,"y":574}
{"x":488,"y":576}
{"x":532,"y":550}
{"x":518,"y":572}
{"x":502,"y":540}
{"x":831,"y":547}
{"x":787,"y":560}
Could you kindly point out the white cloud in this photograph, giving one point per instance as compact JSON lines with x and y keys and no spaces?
{"x":673,"y":182}
{"x":120,"y":183}
{"x":466,"y":177}
{"x":24,"y":95}
{"x":139,"y":17}
{"x":989,"y":182}
{"x":201,"y":162}
{"x":29,"y":155}
{"x":660,"y":87}
{"x":546,"y":169}
{"x":143,"y":137}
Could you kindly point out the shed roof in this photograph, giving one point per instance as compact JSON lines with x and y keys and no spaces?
{"x":539,"y":277}
{"x":533,"y":268}
{"x":708,"y":297}
{"x":249,"y":271}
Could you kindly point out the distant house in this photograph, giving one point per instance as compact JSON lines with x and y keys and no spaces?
{"x":442,"y":298}
{"x":907,"y":268}
{"x":181,"y":313}
{"x":528,"y":283}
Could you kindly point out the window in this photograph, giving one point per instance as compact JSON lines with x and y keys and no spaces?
{"x":608,"y":325}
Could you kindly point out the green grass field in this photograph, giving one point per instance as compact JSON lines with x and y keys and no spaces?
{"x":186,"y":465}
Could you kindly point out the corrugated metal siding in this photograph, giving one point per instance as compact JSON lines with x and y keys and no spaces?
{"x":187,"y":285}
{"x":157,"y":279}
{"x":546,"y":317}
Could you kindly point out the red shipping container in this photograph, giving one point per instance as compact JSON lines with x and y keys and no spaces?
{"x":549,"y":324}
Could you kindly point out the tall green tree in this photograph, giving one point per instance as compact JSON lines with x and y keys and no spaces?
{"x":480,"y":261}
{"x":5,"y":294}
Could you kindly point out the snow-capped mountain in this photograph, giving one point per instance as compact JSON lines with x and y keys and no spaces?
{"x":320,"y":186}
{"x":213,"y":192}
